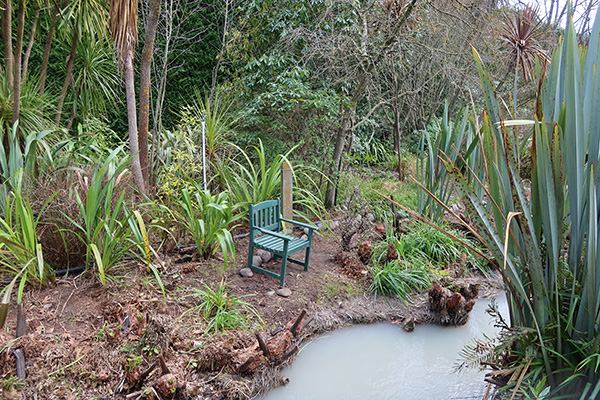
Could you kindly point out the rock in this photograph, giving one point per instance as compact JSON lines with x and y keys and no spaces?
{"x":305,"y":230}
{"x":409,"y":324}
{"x":246,"y":273}
{"x":270,"y":293}
{"x":283,"y":292}
{"x":257,"y":261}
{"x":305,"y":237}
{"x":370,"y":217}
{"x":265,"y":256}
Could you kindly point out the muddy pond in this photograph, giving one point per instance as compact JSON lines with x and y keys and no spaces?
{"x":381,"y":361}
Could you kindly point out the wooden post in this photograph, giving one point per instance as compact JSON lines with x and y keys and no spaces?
{"x":286,"y":192}
{"x":395,"y":221}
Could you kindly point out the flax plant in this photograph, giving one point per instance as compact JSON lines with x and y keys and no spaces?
{"x":252,"y":181}
{"x":22,"y":156}
{"x":208,"y":218}
{"x":103,"y":225}
{"x":457,"y":140}
{"x":546,"y":239}
{"x":21,"y":256}
{"x":141,"y":240}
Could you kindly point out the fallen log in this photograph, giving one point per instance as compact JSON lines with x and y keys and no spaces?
{"x":145,"y":374}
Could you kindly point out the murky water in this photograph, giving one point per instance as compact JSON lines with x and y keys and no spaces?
{"x":381,"y":361}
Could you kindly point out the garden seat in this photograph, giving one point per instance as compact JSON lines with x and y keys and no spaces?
{"x":266,"y":233}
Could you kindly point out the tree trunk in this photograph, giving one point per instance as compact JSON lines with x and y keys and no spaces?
{"x":217,"y":67}
{"x":30,"y":45}
{"x":145,"y":64}
{"x":335,"y":168}
{"x":7,"y":38}
{"x":68,"y":78}
{"x":73,"y":110}
{"x":17,"y":67}
{"x":46,"y":57}
{"x":398,"y":142}
{"x":132,"y":120}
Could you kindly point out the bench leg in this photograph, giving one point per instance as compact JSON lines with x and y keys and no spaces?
{"x":283,"y":264}
{"x":250,"y":254}
{"x":306,"y":258}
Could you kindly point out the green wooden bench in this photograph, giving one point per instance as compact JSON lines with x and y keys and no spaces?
{"x":266,"y":233}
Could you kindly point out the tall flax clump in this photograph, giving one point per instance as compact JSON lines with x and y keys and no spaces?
{"x":546,"y":238}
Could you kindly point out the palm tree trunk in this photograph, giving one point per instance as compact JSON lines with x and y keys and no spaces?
{"x":46,"y":57}
{"x":145,"y":64}
{"x":31,"y":41}
{"x":17,"y":67}
{"x":132,"y":121}
{"x":68,"y":78}
{"x":73,"y":110}
{"x":7,"y":38}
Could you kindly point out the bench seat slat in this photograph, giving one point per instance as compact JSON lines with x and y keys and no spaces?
{"x":271,"y":243}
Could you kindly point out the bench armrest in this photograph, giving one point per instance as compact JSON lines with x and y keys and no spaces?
{"x":271,"y":233}
{"x":302,"y":224}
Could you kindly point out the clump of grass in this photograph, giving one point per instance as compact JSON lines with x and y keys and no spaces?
{"x":221,"y":310}
{"x":436,"y":246}
{"x":441,"y":250}
{"x":398,"y":279}
{"x":426,"y":245}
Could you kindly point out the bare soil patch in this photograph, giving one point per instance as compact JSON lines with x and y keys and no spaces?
{"x":85,"y":341}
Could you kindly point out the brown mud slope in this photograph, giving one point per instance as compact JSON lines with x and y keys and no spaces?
{"x":126,"y":341}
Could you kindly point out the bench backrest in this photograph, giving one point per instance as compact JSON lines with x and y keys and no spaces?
{"x":265,"y":215}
